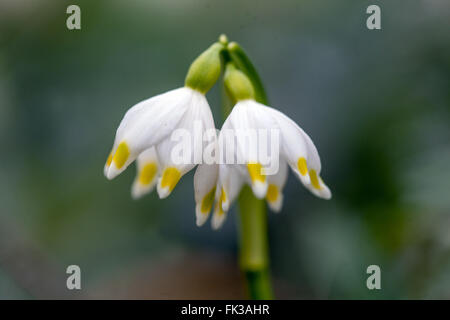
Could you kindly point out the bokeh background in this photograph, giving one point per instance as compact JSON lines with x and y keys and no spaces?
{"x":376,"y":103}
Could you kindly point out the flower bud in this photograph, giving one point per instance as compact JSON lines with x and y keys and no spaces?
{"x":237,"y":84}
{"x":205,"y":70}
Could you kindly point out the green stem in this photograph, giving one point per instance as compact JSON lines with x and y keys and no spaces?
{"x":254,"y":245}
{"x":253,"y":257}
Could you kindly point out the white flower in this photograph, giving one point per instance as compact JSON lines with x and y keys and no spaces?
{"x":296,"y":149}
{"x":145,"y":133}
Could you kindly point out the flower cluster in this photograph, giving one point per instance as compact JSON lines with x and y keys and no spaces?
{"x":146,"y":134}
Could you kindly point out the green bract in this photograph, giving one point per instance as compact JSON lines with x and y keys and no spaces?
{"x":205,"y":70}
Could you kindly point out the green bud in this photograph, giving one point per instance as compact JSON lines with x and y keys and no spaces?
{"x":205,"y":70}
{"x":237,"y":84}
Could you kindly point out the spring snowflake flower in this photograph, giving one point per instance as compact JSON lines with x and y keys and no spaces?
{"x":296,"y":150}
{"x":145,"y":131}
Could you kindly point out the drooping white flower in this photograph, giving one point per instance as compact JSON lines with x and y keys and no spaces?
{"x":145,"y":133}
{"x":296,"y":149}
{"x":147,"y":130}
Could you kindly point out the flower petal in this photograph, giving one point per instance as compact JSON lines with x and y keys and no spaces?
{"x":302,"y":155}
{"x":274,"y":196}
{"x":182,"y":150}
{"x":230,"y":184}
{"x":219,"y":217}
{"x":251,"y":125}
{"x":293,"y":145}
{"x":169,"y":179}
{"x":146,"y":124}
{"x":147,"y":166}
{"x":258,"y":179}
{"x":317,"y":186}
{"x":205,"y":180}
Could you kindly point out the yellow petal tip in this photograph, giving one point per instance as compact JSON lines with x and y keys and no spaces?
{"x":301,"y":166}
{"x":314,"y":179}
{"x":272,"y":193}
{"x":148,"y":173}
{"x":121,"y":155}
{"x":207,"y":201}
{"x":170,"y":178}
{"x":256,"y":172}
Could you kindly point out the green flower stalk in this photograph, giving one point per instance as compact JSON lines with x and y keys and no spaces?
{"x":254,"y":245}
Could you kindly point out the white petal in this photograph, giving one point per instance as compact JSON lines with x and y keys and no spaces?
{"x":121,"y":157}
{"x":107,"y":163}
{"x":247,"y":121}
{"x":228,"y":188}
{"x":147,"y":173}
{"x":280,"y":177}
{"x":241,"y":123}
{"x":291,"y":133}
{"x":277,"y":204}
{"x":294,"y":146}
{"x":219,"y":217}
{"x":205,"y":180}
{"x":230,"y":182}
{"x":209,"y":154}
{"x":313,"y":155}
{"x":154,"y":119}
{"x":170,"y":173}
{"x":276,"y":182}
{"x":322,"y":192}
{"x":147,"y":123}
{"x":182,"y":150}
{"x":250,"y":120}
{"x":259,"y":189}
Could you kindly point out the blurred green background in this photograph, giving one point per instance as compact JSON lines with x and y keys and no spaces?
{"x":376,"y":104}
